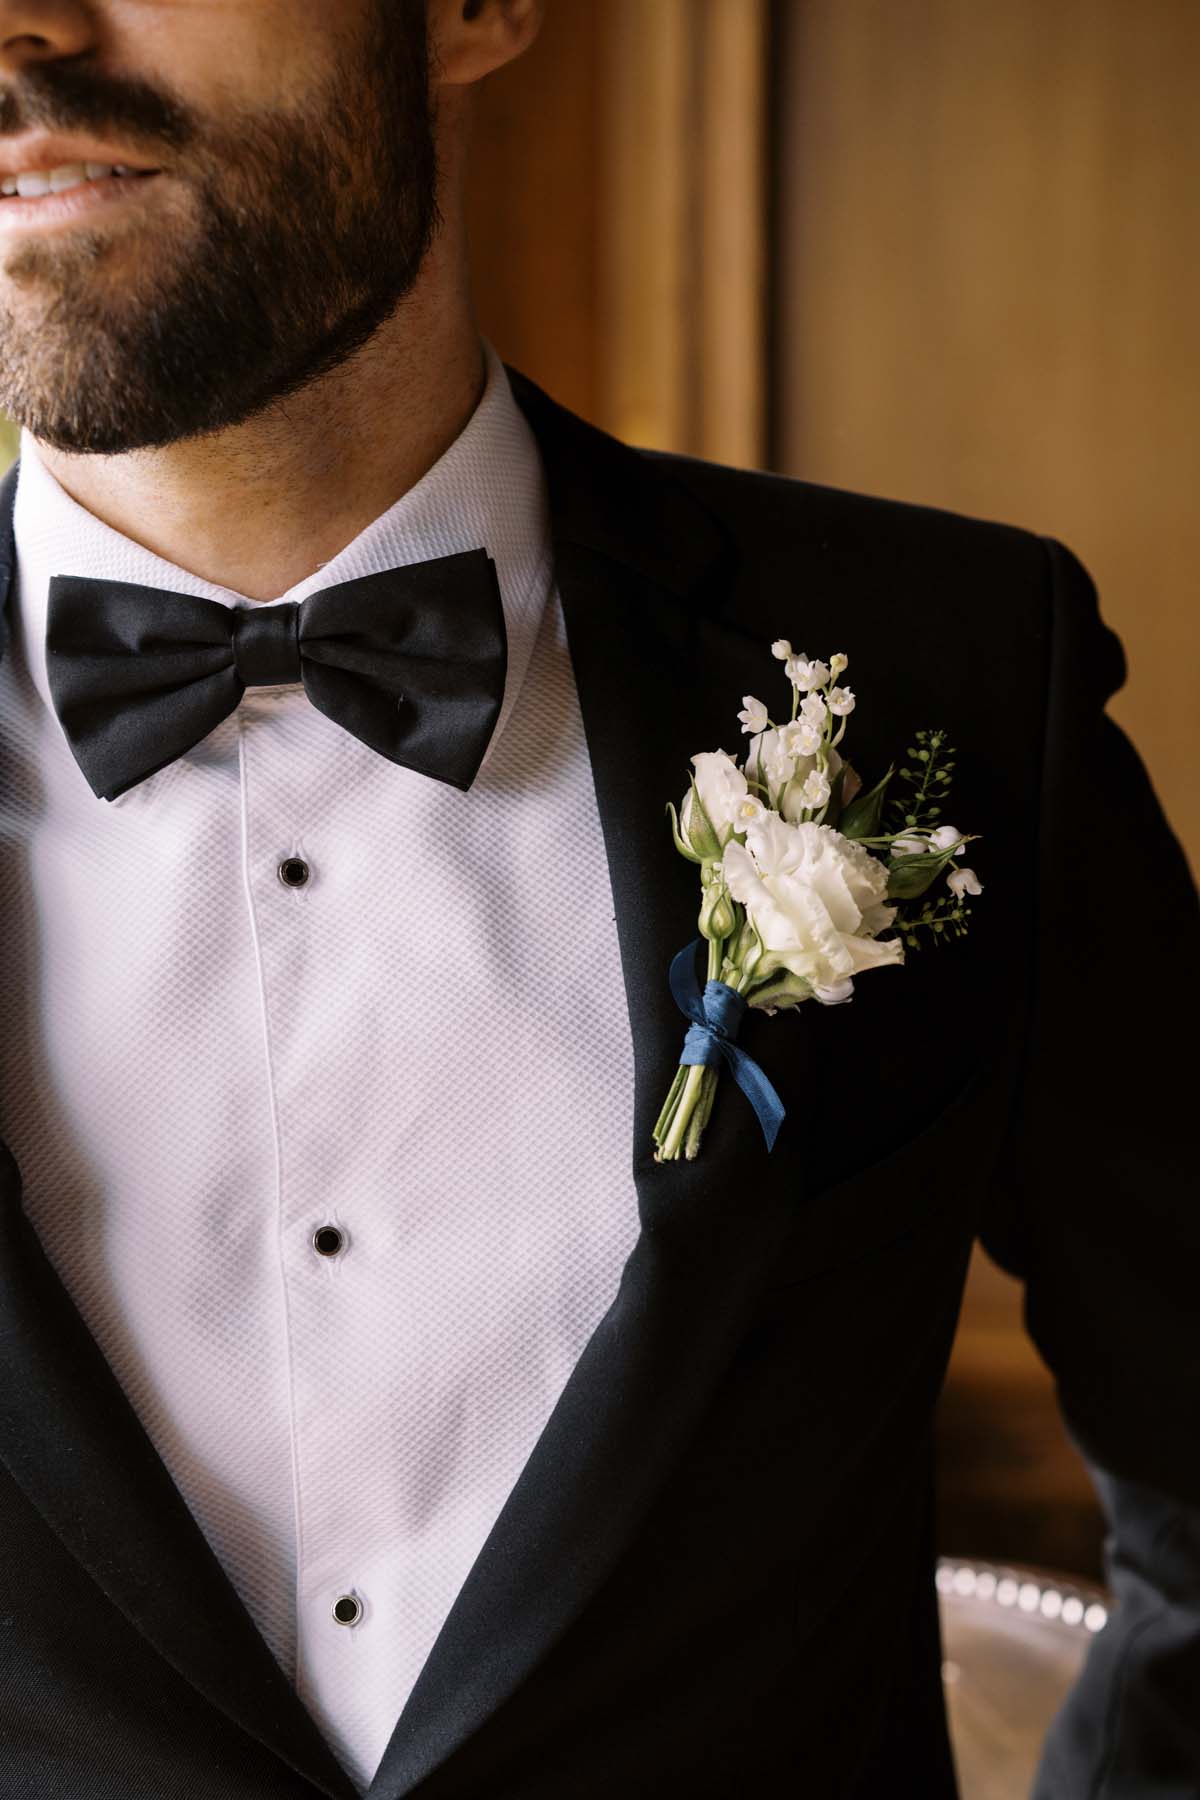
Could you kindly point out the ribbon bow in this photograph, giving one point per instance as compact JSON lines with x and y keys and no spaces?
{"x":716,"y":1016}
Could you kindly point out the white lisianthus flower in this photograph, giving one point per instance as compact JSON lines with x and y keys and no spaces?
{"x":815,"y":791}
{"x":964,"y":881}
{"x":812,"y":711}
{"x":909,"y":846}
{"x":841,"y":701}
{"x":781,"y":649}
{"x":836,"y":995}
{"x":804,"y":674}
{"x":721,"y":786}
{"x":754,"y":717}
{"x":838,"y":663}
{"x":946,"y":837}
{"x":817,"y":901}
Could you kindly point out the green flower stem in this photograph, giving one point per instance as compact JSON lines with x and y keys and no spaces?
{"x":871,"y":843}
{"x":685,"y":1103}
{"x":698,"y":1124}
{"x":700,"y":1117}
{"x":667,"y":1113}
{"x":672,"y":1143}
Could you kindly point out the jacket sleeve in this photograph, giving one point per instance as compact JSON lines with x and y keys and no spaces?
{"x":1096,"y":1208}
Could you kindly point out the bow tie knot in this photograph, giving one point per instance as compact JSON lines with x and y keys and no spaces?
{"x":266,"y":643}
{"x":139,"y":675}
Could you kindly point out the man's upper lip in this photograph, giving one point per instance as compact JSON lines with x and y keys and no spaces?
{"x":40,"y":152}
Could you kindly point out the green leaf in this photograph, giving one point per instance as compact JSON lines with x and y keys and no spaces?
{"x":682,"y":848}
{"x":911,"y":875}
{"x":861,"y":817}
{"x":785,"y":989}
{"x":701,"y":831}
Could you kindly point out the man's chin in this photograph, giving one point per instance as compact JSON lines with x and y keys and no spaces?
{"x":69,"y":378}
{"x":97,"y":365}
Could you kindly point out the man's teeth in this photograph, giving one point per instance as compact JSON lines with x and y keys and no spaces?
{"x":56,"y":181}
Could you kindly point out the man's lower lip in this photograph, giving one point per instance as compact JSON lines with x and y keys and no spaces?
{"x":27,"y":212}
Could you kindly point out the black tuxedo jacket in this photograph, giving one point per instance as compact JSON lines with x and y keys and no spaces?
{"x":714,"y":1576}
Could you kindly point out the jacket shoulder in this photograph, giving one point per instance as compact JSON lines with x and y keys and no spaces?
{"x":760,"y":508}
{"x":964,"y":596}
{"x":677,"y":514}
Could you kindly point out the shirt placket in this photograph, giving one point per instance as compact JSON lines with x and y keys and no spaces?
{"x":287,"y":869}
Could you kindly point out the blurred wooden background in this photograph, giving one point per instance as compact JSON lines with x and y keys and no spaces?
{"x":943,"y":252}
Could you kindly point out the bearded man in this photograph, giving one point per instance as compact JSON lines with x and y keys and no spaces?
{"x":379,"y":1413}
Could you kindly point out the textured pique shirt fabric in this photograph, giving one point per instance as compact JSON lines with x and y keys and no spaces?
{"x":426,"y":1046}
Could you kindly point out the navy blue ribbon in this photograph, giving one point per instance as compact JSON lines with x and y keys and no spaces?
{"x":716,"y":1016}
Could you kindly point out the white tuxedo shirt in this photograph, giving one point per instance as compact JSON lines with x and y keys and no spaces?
{"x":424,"y":1046}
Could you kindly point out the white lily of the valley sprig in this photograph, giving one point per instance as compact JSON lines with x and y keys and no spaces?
{"x":799,"y":880}
{"x":947,"y":838}
{"x":964,"y":881}
{"x":753,"y":716}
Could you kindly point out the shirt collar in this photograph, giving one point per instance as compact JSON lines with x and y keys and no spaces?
{"x":487,"y":489}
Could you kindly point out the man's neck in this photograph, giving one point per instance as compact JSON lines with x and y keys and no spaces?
{"x":260,"y":506}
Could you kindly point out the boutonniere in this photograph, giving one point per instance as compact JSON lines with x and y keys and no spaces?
{"x":806,"y":882}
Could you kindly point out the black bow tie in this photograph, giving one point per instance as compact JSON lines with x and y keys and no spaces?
{"x":411,"y":661}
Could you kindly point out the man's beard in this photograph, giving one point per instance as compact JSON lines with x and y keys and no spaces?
{"x":304,"y":232}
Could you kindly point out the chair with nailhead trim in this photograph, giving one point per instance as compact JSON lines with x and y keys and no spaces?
{"x":1013,"y":1641}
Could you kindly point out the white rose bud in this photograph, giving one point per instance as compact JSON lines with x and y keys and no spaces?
{"x":720,"y":786}
{"x":782,"y":649}
{"x":717,"y":918}
{"x":838,"y":663}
